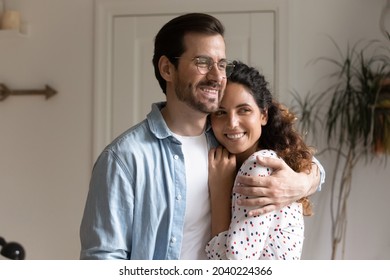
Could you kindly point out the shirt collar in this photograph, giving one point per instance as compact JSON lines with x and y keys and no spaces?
{"x":157,"y":124}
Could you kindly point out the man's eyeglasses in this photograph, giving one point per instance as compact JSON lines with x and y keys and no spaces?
{"x":205,"y":64}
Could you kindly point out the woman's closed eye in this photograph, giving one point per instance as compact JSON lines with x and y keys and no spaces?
{"x":244,"y":110}
{"x":219,"y":113}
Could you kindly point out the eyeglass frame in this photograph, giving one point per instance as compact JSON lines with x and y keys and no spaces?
{"x":210,"y":64}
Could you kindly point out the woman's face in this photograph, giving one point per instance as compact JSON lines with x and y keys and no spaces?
{"x":237,"y":123}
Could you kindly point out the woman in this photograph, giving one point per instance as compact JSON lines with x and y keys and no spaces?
{"x":250,"y":123}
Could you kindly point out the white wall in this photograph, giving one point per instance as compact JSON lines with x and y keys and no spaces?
{"x":45,"y":145}
{"x":310,"y":21}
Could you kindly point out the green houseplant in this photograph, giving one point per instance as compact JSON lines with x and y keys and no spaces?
{"x":353,"y":113}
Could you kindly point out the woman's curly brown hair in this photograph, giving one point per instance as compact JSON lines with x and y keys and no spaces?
{"x":279,"y":134}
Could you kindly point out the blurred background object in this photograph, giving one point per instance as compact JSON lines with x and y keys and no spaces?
{"x":11,"y":250}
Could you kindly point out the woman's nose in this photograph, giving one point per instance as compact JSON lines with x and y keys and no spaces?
{"x":232,"y":121}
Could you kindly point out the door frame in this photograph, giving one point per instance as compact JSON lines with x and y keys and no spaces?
{"x":105,"y":13}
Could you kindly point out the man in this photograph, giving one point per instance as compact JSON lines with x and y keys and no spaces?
{"x":148,"y":196}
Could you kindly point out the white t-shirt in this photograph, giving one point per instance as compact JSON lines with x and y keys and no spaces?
{"x":197,"y":222}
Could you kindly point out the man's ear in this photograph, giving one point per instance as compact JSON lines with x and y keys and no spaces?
{"x":166,"y":68}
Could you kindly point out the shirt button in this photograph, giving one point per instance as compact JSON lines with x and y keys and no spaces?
{"x":178,"y":197}
{"x":175,"y":156}
{"x":173,"y":240}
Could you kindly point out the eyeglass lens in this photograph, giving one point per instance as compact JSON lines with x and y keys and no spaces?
{"x":205,"y":64}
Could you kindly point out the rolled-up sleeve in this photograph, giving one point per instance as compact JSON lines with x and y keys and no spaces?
{"x":322,"y":173}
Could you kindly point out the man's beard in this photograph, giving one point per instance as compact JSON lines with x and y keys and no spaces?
{"x":186,"y":95}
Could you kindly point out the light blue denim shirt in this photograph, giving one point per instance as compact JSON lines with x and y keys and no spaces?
{"x":137,"y":197}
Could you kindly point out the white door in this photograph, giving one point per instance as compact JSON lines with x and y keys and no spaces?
{"x":125,"y":60}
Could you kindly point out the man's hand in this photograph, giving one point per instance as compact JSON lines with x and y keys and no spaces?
{"x":281,"y":188}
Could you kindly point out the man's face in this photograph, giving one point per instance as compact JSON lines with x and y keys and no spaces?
{"x":201,"y":91}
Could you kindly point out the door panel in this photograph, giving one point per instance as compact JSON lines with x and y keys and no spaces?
{"x":124,"y":82}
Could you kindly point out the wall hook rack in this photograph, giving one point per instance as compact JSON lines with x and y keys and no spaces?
{"x":5,"y":92}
